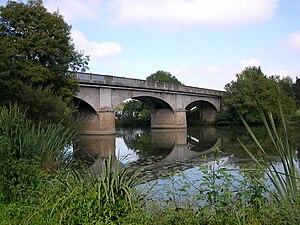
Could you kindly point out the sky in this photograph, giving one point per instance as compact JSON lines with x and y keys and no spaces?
{"x":204,"y":43}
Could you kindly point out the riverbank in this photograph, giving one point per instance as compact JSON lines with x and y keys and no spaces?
{"x":65,"y":197}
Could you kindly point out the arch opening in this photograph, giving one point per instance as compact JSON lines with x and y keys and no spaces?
{"x":160,"y":113}
{"x":132,"y":112}
{"x":86,"y":117}
{"x":200,"y":113}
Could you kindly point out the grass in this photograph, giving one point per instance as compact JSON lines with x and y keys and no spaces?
{"x":26,"y":140}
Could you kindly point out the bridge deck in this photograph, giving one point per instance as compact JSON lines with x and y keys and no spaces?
{"x":108,"y":80}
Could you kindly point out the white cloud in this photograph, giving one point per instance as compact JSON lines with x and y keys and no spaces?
{"x":250,"y":62}
{"x":294,"y":42}
{"x":95,"y":49}
{"x":168,"y":14}
{"x":293,"y":73}
{"x":75,"y":10}
{"x":178,"y":13}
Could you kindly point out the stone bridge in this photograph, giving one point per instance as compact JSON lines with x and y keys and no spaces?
{"x":170,"y":104}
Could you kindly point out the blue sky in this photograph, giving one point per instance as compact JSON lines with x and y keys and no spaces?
{"x":203,"y":43}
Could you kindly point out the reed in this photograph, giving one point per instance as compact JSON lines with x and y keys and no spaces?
{"x":285,"y":181}
{"x":26,"y":140}
{"x":83,"y":197}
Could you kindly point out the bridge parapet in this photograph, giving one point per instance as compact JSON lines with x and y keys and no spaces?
{"x":137,"y":83}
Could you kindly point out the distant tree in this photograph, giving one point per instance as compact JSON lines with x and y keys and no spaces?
{"x":135,"y":113}
{"x":163,"y":76}
{"x":251,"y":88}
{"x":36,"y":51}
{"x":286,"y":83}
{"x":297,"y":90}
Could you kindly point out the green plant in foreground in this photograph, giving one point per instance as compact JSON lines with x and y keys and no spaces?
{"x":285,"y":181}
{"x":26,"y":140}
{"x":82,"y":198}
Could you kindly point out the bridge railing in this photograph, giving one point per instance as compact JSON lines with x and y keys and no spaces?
{"x":137,"y":83}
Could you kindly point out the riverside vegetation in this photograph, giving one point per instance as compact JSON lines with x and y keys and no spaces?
{"x":40,"y":183}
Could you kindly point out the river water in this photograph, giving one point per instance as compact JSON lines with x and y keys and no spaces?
{"x":171,"y":157}
{"x":166,"y":151}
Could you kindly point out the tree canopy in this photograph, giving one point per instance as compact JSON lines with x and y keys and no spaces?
{"x":36,"y":48}
{"x":37,"y":58}
{"x":297,"y":90}
{"x":253,"y":89}
{"x":163,"y":76}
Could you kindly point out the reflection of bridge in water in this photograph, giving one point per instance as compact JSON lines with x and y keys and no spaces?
{"x":163,"y":146}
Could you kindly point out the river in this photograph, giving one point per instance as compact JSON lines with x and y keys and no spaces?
{"x":166,"y":151}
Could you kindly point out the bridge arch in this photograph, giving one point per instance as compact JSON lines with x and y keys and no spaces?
{"x":163,"y":115}
{"x":201,"y":112}
{"x":87,"y":115}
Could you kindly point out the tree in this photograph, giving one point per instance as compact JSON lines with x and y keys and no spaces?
{"x":297,"y":90}
{"x":251,"y":88}
{"x":135,"y":113}
{"x":36,"y":48}
{"x":163,"y":76}
{"x":37,"y":59}
{"x":286,"y":83}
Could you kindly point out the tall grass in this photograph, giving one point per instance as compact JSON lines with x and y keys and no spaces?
{"x":285,"y":181}
{"x":26,"y":140}
{"x":80,"y":197}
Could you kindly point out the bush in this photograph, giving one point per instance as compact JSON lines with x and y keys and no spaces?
{"x":21,"y":180}
{"x":39,"y":104}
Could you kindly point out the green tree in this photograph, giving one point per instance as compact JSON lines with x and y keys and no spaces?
{"x":163,"y":76}
{"x":134,"y":113}
{"x":297,"y":90}
{"x":36,"y":52}
{"x":286,"y":83}
{"x":253,"y":87}
{"x":36,"y":48}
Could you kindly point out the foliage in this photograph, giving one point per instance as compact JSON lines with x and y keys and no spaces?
{"x":297,"y":90}
{"x":39,"y":104}
{"x":26,"y":140}
{"x":135,"y":113}
{"x":253,"y":86}
{"x":221,"y":195}
{"x":19,"y":180}
{"x":163,"y":76}
{"x":285,"y":180}
{"x":286,"y":84}
{"x":77,"y":197}
{"x":36,"y":48}
{"x":104,"y":199}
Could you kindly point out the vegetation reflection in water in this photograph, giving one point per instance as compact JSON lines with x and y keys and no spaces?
{"x":172,"y":152}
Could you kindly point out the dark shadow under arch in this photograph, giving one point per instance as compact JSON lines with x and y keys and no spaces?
{"x":153,"y":102}
{"x":200,"y":112}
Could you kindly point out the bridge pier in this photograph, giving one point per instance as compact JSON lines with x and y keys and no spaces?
{"x":100,"y":123}
{"x":107,"y":122}
{"x":167,"y":118}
